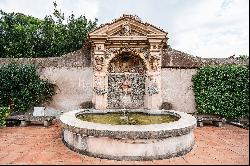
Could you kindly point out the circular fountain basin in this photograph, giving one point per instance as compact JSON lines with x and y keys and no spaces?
{"x":129,"y":142}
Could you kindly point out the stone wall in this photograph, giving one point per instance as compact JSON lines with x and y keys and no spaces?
{"x":177,"y":88}
{"x":72,"y":74}
{"x":73,"y":86}
{"x":79,"y":58}
{"x":172,"y":58}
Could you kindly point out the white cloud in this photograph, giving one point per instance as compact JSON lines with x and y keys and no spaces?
{"x":40,"y":8}
{"x":213,"y":29}
{"x":80,"y":7}
{"x":206,"y":28}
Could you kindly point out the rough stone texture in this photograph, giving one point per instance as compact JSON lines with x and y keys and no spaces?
{"x":177,"y":89}
{"x":183,"y":126}
{"x":172,"y":58}
{"x":73,"y":86}
{"x":225,"y":61}
{"x":79,"y":58}
{"x":177,"y":59}
{"x":143,"y":43}
{"x":130,"y":95}
{"x":228,"y":145}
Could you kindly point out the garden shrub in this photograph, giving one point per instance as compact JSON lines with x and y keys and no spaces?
{"x":222,"y":90}
{"x":21,"y":88}
{"x":166,"y":106}
{"x":4,"y":113}
{"x":86,"y":105}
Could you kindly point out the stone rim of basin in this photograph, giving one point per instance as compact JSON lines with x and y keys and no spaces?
{"x":184,"y":125}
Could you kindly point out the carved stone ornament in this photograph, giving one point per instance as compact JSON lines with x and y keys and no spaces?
{"x":99,"y":62}
{"x":126,"y":30}
{"x":109,"y":51}
{"x":154,"y":62}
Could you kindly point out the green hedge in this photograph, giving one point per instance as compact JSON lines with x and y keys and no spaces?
{"x":222,"y":90}
{"x":4,"y":113}
{"x":21,"y":88}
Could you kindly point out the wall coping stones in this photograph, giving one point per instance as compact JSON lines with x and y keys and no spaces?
{"x":171,"y":58}
{"x":78,"y":58}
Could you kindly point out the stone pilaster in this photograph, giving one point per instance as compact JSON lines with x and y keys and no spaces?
{"x":100,"y":77}
{"x":153,"y":97}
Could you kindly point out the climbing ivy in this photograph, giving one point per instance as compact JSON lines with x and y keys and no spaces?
{"x":222,"y":90}
{"x":21,"y":88}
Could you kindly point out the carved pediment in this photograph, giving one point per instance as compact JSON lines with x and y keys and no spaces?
{"x":127,"y":26}
{"x":127,"y":31}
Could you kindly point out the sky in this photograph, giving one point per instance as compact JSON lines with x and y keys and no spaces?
{"x":204,"y":28}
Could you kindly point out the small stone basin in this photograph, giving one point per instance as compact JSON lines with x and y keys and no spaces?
{"x":145,"y":141}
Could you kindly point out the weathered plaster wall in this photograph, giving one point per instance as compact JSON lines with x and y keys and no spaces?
{"x":73,"y":74}
{"x":73,"y":86}
{"x":177,"y":88}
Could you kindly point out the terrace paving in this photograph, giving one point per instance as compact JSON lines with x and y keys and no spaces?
{"x":36,"y":144}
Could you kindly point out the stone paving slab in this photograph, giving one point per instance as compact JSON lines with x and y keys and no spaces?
{"x":39,"y":145}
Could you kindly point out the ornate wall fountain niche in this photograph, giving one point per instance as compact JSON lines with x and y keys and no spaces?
{"x":127,"y":64}
{"x":126,"y":81}
{"x":126,"y":60}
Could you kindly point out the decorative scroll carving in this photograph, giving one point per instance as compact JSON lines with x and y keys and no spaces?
{"x":126,"y":63}
{"x":123,"y":56}
{"x":144,"y":50}
{"x":127,"y":31}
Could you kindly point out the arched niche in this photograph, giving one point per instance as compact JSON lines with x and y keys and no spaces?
{"x":126,"y":81}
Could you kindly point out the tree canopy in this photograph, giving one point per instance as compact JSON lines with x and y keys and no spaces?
{"x":26,"y":36}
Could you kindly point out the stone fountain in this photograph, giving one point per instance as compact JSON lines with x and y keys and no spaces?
{"x":127,"y":79}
